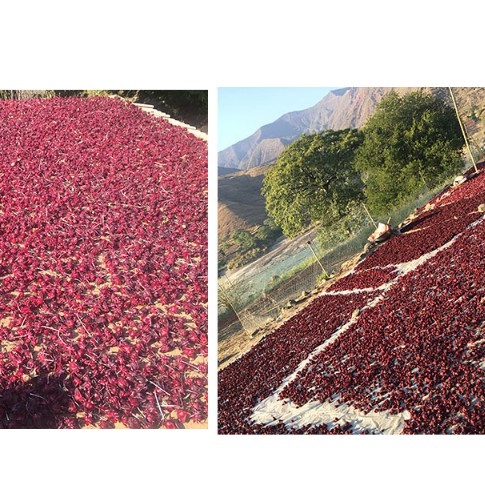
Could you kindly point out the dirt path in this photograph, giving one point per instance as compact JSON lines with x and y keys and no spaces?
{"x":281,"y":251}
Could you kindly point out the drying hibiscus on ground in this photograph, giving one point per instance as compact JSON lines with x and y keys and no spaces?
{"x":394,"y":346}
{"x":103,"y":267}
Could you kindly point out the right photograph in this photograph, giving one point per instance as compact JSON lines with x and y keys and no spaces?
{"x":351,"y":269}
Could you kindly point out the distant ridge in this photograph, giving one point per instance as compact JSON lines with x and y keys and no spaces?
{"x":339,"y":109}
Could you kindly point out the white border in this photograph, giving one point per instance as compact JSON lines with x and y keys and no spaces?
{"x":204,"y":45}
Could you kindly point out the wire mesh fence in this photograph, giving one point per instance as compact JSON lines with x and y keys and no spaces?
{"x":282,"y":291}
{"x":269,"y":293}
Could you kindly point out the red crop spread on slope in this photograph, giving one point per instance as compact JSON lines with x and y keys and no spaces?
{"x":368,"y":278}
{"x":419,"y":348}
{"x":261,"y":370}
{"x":428,"y":232}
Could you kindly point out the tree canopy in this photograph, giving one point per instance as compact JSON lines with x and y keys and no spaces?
{"x":411,"y":143}
{"x":313,"y":180}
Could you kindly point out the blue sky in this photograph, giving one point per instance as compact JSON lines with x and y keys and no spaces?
{"x":241,"y":111}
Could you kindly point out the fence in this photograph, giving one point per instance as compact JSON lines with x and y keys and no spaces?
{"x":270,"y":302}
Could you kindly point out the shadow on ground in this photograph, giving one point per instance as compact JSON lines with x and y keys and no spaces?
{"x":42,"y":402}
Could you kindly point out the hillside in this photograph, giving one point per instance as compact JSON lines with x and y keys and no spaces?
{"x":394,"y":346}
{"x":241,"y":205}
{"x":222,"y":171}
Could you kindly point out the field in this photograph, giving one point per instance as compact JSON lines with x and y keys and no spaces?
{"x":103,"y":267}
{"x":395,"y":346}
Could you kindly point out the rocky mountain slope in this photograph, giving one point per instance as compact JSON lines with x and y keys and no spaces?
{"x":342,"y":108}
{"x":241,"y":205}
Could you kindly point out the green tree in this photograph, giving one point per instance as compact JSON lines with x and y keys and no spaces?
{"x":245,"y":239}
{"x":411,"y":143}
{"x":313,"y":181}
{"x":268,"y":232}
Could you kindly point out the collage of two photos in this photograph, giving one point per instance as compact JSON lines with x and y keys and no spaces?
{"x":350,"y":289}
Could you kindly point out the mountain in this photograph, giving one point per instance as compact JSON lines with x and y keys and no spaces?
{"x":240,"y":204}
{"x":339,"y":109}
{"x":221,"y":171}
{"x":242,"y":165}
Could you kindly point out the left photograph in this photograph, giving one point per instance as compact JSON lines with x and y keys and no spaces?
{"x":103,"y":259}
